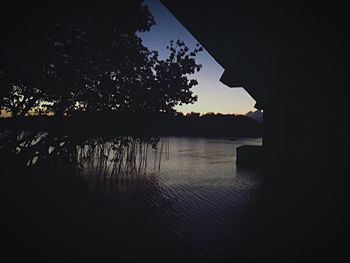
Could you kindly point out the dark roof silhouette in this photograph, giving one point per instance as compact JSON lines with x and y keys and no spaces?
{"x":267,"y":47}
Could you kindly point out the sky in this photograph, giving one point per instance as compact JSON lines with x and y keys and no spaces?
{"x":213,"y":96}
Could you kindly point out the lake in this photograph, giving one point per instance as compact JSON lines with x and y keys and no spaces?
{"x":198,"y":192}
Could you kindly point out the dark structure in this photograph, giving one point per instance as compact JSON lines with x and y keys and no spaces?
{"x":288,"y":57}
{"x":249,"y":156}
{"x":291,"y":58}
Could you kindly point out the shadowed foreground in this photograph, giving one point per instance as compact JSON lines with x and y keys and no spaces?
{"x":52,"y":213}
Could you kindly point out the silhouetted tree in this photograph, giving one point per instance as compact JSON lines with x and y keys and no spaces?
{"x":193,"y":114}
{"x":89,"y":58}
{"x":21,"y":91}
{"x":172,"y":86}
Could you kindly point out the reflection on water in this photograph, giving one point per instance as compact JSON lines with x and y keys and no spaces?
{"x":200,"y":193}
{"x":185,"y":193}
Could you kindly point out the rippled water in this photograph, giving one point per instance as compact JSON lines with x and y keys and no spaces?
{"x":198,"y":190}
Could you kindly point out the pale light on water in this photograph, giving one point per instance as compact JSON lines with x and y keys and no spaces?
{"x":197,"y":189}
{"x":208,"y":192}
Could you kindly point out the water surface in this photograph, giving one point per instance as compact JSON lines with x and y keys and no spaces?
{"x":198,"y":190}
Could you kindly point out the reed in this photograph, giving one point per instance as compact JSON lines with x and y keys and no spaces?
{"x":118,"y":158}
{"x":121,"y":158}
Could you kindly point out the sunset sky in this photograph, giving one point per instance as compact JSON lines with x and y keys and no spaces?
{"x":213,"y":96}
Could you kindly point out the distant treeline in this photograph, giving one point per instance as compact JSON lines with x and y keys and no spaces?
{"x":140,"y":124}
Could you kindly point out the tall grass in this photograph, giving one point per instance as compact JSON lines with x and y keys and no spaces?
{"x":118,"y":158}
{"x":121,"y":158}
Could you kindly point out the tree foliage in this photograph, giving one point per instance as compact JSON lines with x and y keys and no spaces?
{"x":90,"y":58}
